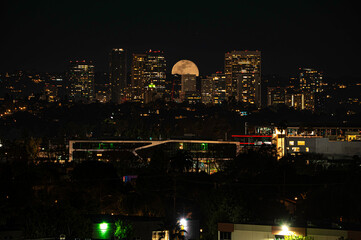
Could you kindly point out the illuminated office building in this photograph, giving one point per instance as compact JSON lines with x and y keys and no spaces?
{"x":311,"y":85}
{"x":207,"y":90}
{"x":148,"y":75}
{"x":138,"y":77}
{"x":243,"y":76}
{"x":155,"y":71}
{"x":81,"y":81}
{"x":311,"y":80}
{"x":219,"y":87}
{"x":117,"y":74}
{"x":214,"y":88}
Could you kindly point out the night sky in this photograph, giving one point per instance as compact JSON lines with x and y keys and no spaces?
{"x":45,"y":35}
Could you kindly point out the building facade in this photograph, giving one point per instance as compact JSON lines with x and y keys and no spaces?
{"x":148,"y":76}
{"x":243,"y":76}
{"x":230,"y":231}
{"x":117,"y":74}
{"x":81,"y":81}
{"x":311,"y":85}
{"x":138,"y":76}
{"x":155,"y":71}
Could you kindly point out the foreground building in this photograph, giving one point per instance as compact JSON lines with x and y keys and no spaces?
{"x":230,"y":231}
{"x":205,"y":154}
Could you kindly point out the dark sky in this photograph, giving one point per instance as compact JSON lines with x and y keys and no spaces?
{"x":44,"y":35}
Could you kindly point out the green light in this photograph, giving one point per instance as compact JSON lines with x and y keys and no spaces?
{"x":151,"y":85}
{"x":103,"y":227}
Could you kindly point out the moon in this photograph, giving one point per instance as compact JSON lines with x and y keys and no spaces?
{"x":185,"y":67}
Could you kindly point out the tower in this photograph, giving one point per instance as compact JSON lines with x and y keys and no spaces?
{"x":243,"y":76}
{"x":117,"y":74}
{"x":81,"y":81}
{"x":148,"y":76}
{"x":155,"y":70}
{"x":311,"y":86}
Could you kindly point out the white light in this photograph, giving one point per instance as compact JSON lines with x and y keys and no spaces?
{"x":284,"y":228}
{"x":183,"y":222}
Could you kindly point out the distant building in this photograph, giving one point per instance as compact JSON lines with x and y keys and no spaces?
{"x":219,"y":87}
{"x":243,"y":76}
{"x":138,"y":76}
{"x":275,"y":95}
{"x":148,"y":76}
{"x":311,"y":85}
{"x":295,"y":99}
{"x":188,"y":72}
{"x":155,"y":71}
{"x":207,"y":90}
{"x":102,"y":93}
{"x":311,"y":80}
{"x":81,"y":81}
{"x":189,"y":83}
{"x":117,"y":74}
{"x":213,"y":88}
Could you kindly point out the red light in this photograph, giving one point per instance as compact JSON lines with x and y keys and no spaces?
{"x":244,"y":143}
{"x":251,"y":135}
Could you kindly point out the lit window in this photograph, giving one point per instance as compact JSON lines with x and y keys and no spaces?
{"x":292,"y":143}
{"x":307,"y":149}
{"x":295,"y":149}
{"x":301,"y":143}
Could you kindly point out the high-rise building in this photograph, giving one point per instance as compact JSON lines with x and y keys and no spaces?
{"x":243,"y":76}
{"x":148,"y":75}
{"x":81,"y":81}
{"x":207,"y":90}
{"x":117,"y":74}
{"x":138,"y":76}
{"x":155,"y":71}
{"x":311,"y":85}
{"x":189,"y":83}
{"x":219,"y":87}
{"x":311,"y":80}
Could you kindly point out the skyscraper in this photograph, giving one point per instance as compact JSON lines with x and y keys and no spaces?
{"x":311,"y":85}
{"x":155,"y":70}
{"x":148,"y":75}
{"x":311,"y":80}
{"x":207,"y":90}
{"x":117,"y":74}
{"x":81,"y":81}
{"x":219,"y":84}
{"x":243,"y":76}
{"x":137,"y":76}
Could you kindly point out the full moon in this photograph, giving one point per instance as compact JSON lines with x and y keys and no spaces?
{"x":185,"y":67}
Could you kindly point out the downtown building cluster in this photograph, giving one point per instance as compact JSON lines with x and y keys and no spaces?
{"x":147,"y":76}
{"x":148,"y":80}
{"x":304,"y":92}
